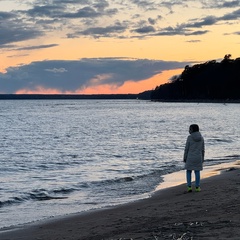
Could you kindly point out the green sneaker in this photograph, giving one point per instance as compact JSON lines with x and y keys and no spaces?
{"x":197,"y":189}
{"x":189,"y":189}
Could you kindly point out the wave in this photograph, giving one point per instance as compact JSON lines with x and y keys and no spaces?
{"x":10,"y":202}
{"x":129,"y":185}
{"x":234,"y":157}
{"x":219,"y":140}
{"x":126,"y":185}
{"x":224,"y":159}
{"x":43,"y":196}
{"x":38,"y":195}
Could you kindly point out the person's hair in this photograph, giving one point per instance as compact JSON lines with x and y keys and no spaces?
{"x":194,"y":128}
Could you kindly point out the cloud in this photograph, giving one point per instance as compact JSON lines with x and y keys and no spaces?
{"x":230,"y":4}
{"x":62,"y":10}
{"x":152,"y":21}
{"x":56,"y":70}
{"x":86,"y":12}
{"x":100,"y":31}
{"x":220,"y":4}
{"x":187,"y":28}
{"x":145,"y":29}
{"x":12,"y":30}
{"x":195,"y":33}
{"x":193,"y":41}
{"x":146,"y":5}
{"x":209,"y":20}
{"x":6,"y":15}
{"x":232,"y":33}
{"x":50,"y":11}
{"x":231,"y":16}
{"x":152,"y":5}
{"x":38,"y":47}
{"x":72,"y":76}
{"x":104,"y":19}
{"x":179,"y":31}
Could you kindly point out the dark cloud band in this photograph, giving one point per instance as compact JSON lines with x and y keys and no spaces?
{"x":70,"y":76}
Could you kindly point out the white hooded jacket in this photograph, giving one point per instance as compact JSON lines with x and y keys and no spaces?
{"x":194,"y":152}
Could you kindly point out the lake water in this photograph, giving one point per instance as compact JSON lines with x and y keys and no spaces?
{"x":66,"y":156}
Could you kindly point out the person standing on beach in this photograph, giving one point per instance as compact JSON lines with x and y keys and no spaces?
{"x":194,"y":156}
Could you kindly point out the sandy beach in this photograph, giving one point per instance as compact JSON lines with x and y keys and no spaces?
{"x":171,"y":213}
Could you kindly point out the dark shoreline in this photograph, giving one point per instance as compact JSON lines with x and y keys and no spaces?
{"x":139,"y":96}
{"x":66,"y":96}
{"x":197,"y":100}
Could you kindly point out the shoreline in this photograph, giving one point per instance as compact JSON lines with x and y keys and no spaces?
{"x":161,"y":215}
{"x":178,"y":178}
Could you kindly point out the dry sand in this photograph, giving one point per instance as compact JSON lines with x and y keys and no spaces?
{"x":213,"y":213}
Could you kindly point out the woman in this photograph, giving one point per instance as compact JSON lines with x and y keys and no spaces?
{"x":194,"y":156}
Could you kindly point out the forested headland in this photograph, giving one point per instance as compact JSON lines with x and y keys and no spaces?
{"x":209,"y":81}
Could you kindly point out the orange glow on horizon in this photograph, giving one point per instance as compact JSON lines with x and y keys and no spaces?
{"x":38,"y":90}
{"x":134,"y":87}
{"x":129,"y":87}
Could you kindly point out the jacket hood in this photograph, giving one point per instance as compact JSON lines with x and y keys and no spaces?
{"x":196,"y":136}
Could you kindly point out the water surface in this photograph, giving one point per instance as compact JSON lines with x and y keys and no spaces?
{"x":64,"y":156}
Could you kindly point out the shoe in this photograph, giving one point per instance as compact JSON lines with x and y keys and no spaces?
{"x":189,"y":189}
{"x":197,"y":189}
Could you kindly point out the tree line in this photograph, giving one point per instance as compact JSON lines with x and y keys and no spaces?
{"x":211,"y":80}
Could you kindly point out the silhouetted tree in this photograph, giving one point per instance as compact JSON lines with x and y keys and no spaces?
{"x":210,"y":80}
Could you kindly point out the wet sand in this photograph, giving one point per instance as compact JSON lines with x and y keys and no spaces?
{"x":171,"y":213}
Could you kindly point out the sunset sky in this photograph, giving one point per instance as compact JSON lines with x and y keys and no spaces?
{"x":110,"y":46}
